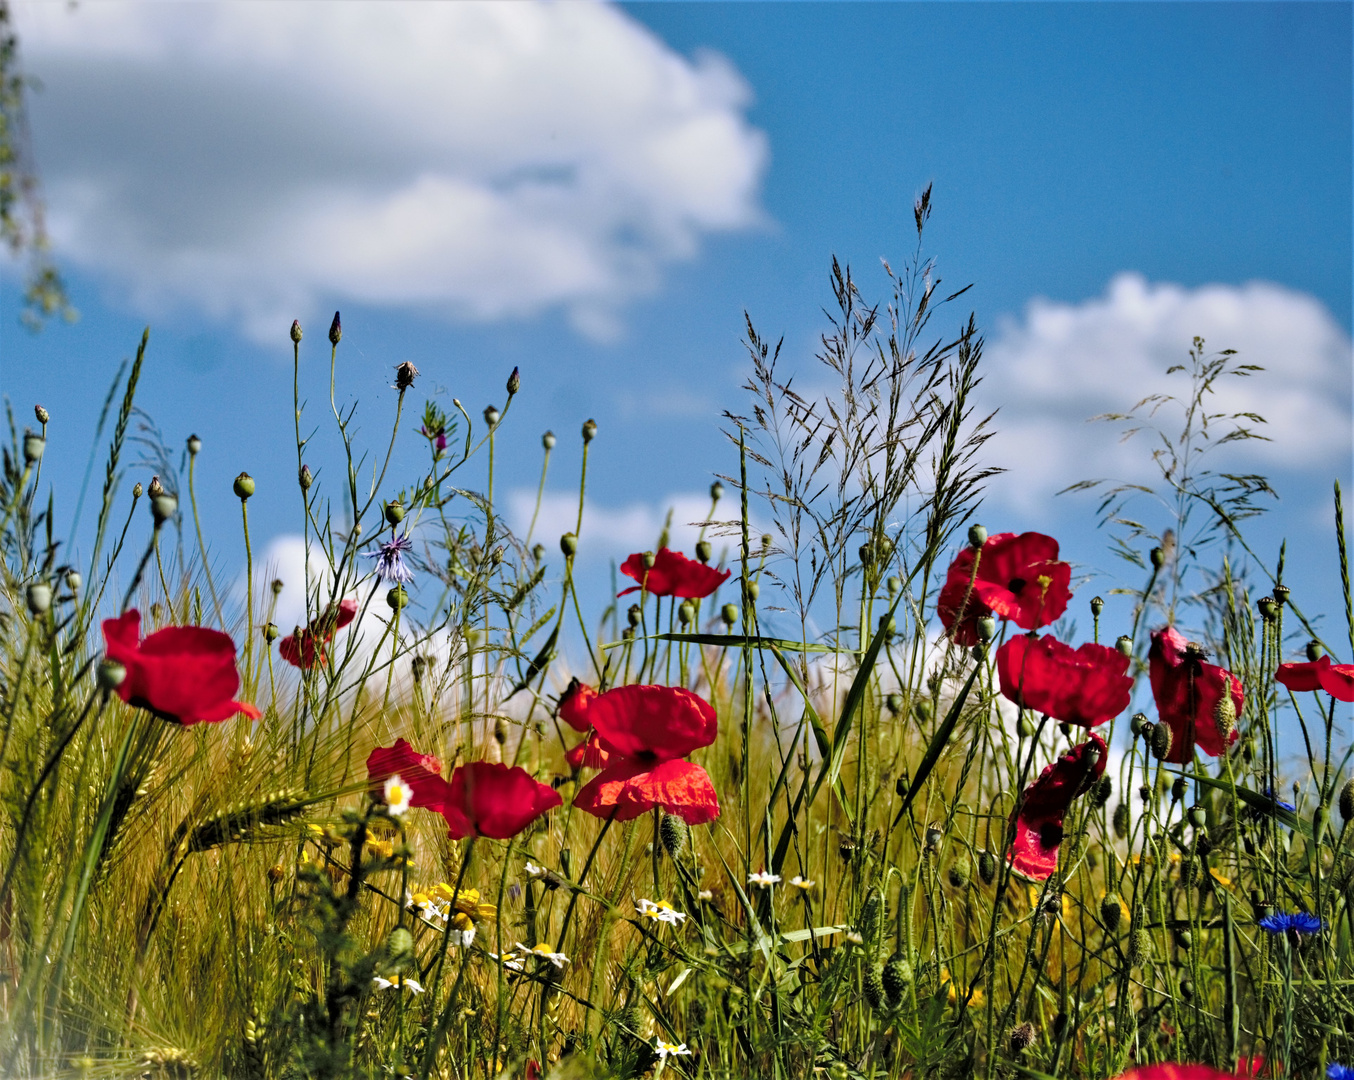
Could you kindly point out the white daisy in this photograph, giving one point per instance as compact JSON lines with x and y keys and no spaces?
{"x":543,"y":951}
{"x":660,"y":912}
{"x":397,"y":796}
{"x":534,"y":871}
{"x":663,"y":1049}
{"x":398,"y":982}
{"x":763,"y":879}
{"x":798,"y":882}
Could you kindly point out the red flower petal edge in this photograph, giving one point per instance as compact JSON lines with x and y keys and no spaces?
{"x":672,"y":574}
{"x":1019,"y":578}
{"x":1085,"y":686}
{"x":422,"y":773}
{"x":652,"y":723}
{"x":304,"y":647}
{"x":1039,"y":824}
{"x":588,"y":754}
{"x":493,"y":800}
{"x":574,"y":703}
{"x":630,"y":788}
{"x":1173,"y":1071}
{"x":1336,"y":679}
{"x":1191,"y":696}
{"x":183,"y":674}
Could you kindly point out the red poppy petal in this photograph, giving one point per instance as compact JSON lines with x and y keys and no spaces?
{"x":1188,"y":692}
{"x":603,"y":795}
{"x":679,"y":787}
{"x":1336,"y":679}
{"x":499,"y":801}
{"x":1086,"y":686}
{"x":1173,"y":1071}
{"x":421,"y":772}
{"x":655,"y":723}
{"x":1029,"y":855}
{"x":574,"y":704}
{"x":589,"y":754}
{"x":184,"y":674}
{"x":347,"y":611}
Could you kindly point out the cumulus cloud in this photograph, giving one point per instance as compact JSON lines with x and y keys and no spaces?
{"x":256,"y":162}
{"x":1059,"y":364}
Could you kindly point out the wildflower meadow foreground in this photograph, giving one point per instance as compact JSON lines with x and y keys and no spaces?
{"x":851,"y":797}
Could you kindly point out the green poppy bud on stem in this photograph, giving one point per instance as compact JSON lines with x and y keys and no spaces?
{"x":244,"y":486}
{"x":1179,"y":786}
{"x":704,"y":551}
{"x":686,"y":612}
{"x":394,"y":512}
{"x":1024,"y":726}
{"x":73,"y":580}
{"x":34,"y":445}
{"x":111,"y":674}
{"x":538,"y":552}
{"x":987,"y":866}
{"x":568,"y":543}
{"x":767,"y":540}
{"x":977,"y":536}
{"x":872,"y":986}
{"x":1124,"y":644}
{"x":1104,"y":788}
{"x":397,"y":598}
{"x":1111,"y":912}
{"x":716,"y":491}
{"x":39,"y":596}
{"x":1320,"y":820}
{"x":1158,"y":557}
{"x":895,"y":585}
{"x":889,"y":625}
{"x":958,"y":875}
{"x":674,"y":833}
{"x":1139,"y":947}
{"x":729,"y":613}
{"x":589,"y":431}
{"x":1315,"y":651}
{"x":270,"y":632}
{"x":751,"y":590}
{"x":979,"y":652}
{"x":897,"y":977}
{"x":1160,"y":741}
{"x":1121,"y":820}
{"x":400,"y":944}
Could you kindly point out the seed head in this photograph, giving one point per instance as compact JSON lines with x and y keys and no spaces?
{"x":589,"y":431}
{"x":1124,"y":644}
{"x":704,"y":551}
{"x":977,"y":536}
{"x":548,"y":440}
{"x":514,"y":382}
{"x":568,"y":543}
{"x":111,"y":674}
{"x":194,"y":446}
{"x":729,"y":613}
{"x":394,"y":512}
{"x":244,"y":486}
{"x":716,"y":491}
{"x":491,"y":416}
{"x":335,"y":331}
{"x":404,"y":375}
{"x":39,"y":596}
{"x":1022,"y":1037}
{"x":397,"y":598}
{"x":1097,"y":606}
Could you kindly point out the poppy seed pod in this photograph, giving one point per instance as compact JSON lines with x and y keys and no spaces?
{"x":895,"y":585}
{"x":548,"y":440}
{"x":987,"y":866}
{"x":1097,"y":606}
{"x":979,"y":652}
{"x":514,"y":382}
{"x":394,"y":512}
{"x":729,"y":613}
{"x":1269,"y":610}
{"x":194,"y":446}
{"x":686,"y":612}
{"x":1347,"y":801}
{"x":716,"y":491}
{"x":538,"y":552}
{"x":276,"y":586}
{"x":34,"y":445}
{"x":894,"y":703}
{"x":1158,"y":558}
{"x":977,"y":536}
{"x":589,"y":431}
{"x":632,"y":615}
{"x":397,"y":598}
{"x":73,"y":580}
{"x":296,"y":331}
{"x":704,"y":551}
{"x":335,"y":331}
{"x":568,"y":543}
{"x":1198,"y":816}
{"x":163,"y":507}
{"x":1124,"y":644}
{"x":1315,"y":651}
{"x":39,"y":598}
{"x":1179,"y":786}
{"x":987,"y":628}
{"x":933,"y":838}
{"x":111,"y":674}
{"x":1281,"y":594}
{"x":244,"y":486}
{"x":751,"y":590}
{"x":1140,"y":725}
{"x":270,"y":632}
{"x":648,"y":558}
{"x":305,"y":477}
{"x":767,"y":540}
{"x":866,"y":554}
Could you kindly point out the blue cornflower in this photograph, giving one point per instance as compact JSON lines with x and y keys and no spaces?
{"x":1269,"y":794}
{"x":390,"y":559}
{"x":1339,"y":1072}
{"x":1294,"y":924}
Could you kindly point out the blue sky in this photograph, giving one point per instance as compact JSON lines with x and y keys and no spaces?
{"x":600,"y":201}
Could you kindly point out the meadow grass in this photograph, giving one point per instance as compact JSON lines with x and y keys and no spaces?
{"x":229,"y":899}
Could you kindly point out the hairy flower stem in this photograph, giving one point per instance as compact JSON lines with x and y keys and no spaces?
{"x":202,"y":547}
{"x":540,"y":494}
{"x":248,"y":598}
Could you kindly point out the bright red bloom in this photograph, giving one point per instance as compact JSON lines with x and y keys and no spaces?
{"x":421,"y":773}
{"x":493,"y":800}
{"x":1085,"y":686}
{"x":589,"y":754}
{"x":1336,"y":679}
{"x":183,"y":674}
{"x":573,"y":705}
{"x":1019,"y":578}
{"x":1192,"y":696}
{"x":1173,"y":1071}
{"x":672,"y":574}
{"x":304,"y":647}
{"x":1039,"y":824}
{"x":647,"y":730}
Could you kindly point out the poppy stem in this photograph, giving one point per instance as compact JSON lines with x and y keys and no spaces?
{"x":201,"y":547}
{"x":248,"y":597}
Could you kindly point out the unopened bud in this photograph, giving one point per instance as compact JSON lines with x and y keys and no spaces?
{"x":979,"y":652}
{"x":1179,"y":786}
{"x":405,"y":374}
{"x":568,"y":543}
{"x":244,"y":486}
{"x":686,"y":612}
{"x":1224,"y":710}
{"x":296,"y":331}
{"x":648,"y":559}
{"x":163,"y":506}
{"x":394,"y":512}
{"x":1111,"y":912}
{"x":729,"y":613}
{"x":491,"y":416}
{"x":1160,"y":741}
{"x":34,"y":445}
{"x":1158,"y":557}
{"x":305,"y":477}
{"x":137,"y":490}
{"x":1347,"y":801}
{"x":1315,"y":651}
{"x":1124,"y":644}
{"x":751,"y":590}
{"x":1104,"y":788}
{"x":704,"y":551}
{"x":514,"y":382}
{"x":866,"y":554}
{"x":589,"y":431}
{"x":73,"y":580}
{"x":194,"y":446}
{"x":39,"y":598}
{"x":397,"y":598}
{"x":767,"y":540}
{"x":986,"y":628}
{"x":632,"y":615}
{"x":894,"y":702}
{"x":716,"y":491}
{"x":977,"y":536}
{"x":538,"y":552}
{"x":277,"y":586}
{"x":1120,"y":821}
{"x":270,"y":632}
{"x":548,"y":440}
{"x":111,"y":674}
{"x":674,"y":833}
{"x":895,"y":585}
{"x":335,"y":331}
{"x":987,"y":866}
{"x":41,"y":413}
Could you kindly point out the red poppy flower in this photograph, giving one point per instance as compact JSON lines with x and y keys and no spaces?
{"x":183,"y":674}
{"x":306,"y":646}
{"x":672,"y":574}
{"x":1039,"y":825}
{"x":493,"y":800}
{"x":1336,"y":679}
{"x":648,"y":730}
{"x":589,"y":754}
{"x":1019,"y":578}
{"x":573,"y":705}
{"x":1195,"y":699}
{"x":422,"y":773}
{"x":1172,"y":1071}
{"x":1084,"y":686}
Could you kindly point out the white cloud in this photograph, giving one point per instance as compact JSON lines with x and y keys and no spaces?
{"x":480,"y":160}
{"x":1062,"y":363}
{"x":610,"y":531}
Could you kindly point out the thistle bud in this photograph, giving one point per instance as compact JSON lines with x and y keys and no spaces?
{"x":1097,"y":606}
{"x":335,"y":331}
{"x":514,"y":382}
{"x":41,"y":413}
{"x":1281,"y":594}
{"x":244,"y":486}
{"x":704,"y":551}
{"x":987,"y":628}
{"x":686,"y":612}
{"x":674,"y":833}
{"x":1124,"y":644}
{"x":397,"y":598}
{"x":977,"y":536}
{"x":589,"y":431}
{"x":73,"y":580}
{"x":39,"y":598}
{"x":296,"y":331}
{"x":632,"y":615}
{"x":1021,"y":1037}
{"x":894,"y":703}
{"x":491,"y":416}
{"x":1347,"y":801}
{"x":1111,"y":912}
{"x":729,"y":613}
{"x":270,"y":632}
{"x":394,"y":512}
{"x":568,"y":543}
{"x":1269,"y":610}
{"x":897,"y":977}
{"x":1160,"y":741}
{"x":1315,"y":651}
{"x":548,"y":440}
{"x":305,"y":477}
{"x":405,"y":374}
{"x":111,"y":674}
{"x":137,"y":490}
{"x":194,"y":446}
{"x":34,"y":445}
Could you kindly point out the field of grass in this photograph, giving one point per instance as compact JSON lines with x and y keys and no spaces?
{"x":895,"y":848}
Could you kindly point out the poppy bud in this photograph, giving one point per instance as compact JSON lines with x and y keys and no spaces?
{"x":866,"y":554}
{"x":1120,"y":820}
{"x":923,"y":710}
{"x":716,"y":491}
{"x":162,"y":506}
{"x":872,"y":986}
{"x":305,"y":478}
{"x":751,"y":590}
{"x":1347,"y":801}
{"x":1024,"y":727}
{"x":397,"y":598}
{"x":979,"y":652}
{"x":194,"y":446}
{"x":704,"y":551}
{"x":548,"y":440}
{"x":39,"y":598}
{"x":1320,"y":819}
{"x":1269,"y":610}
{"x":137,"y":489}
{"x":73,"y":580}
{"x":1022,"y":1037}
{"x":977,"y":536}
{"x":632,"y":615}
{"x":394,"y":512}
{"x":1125,"y":645}
{"x":399,"y":945}
{"x":244,"y":486}
{"x":729,"y":613}
{"x":1145,"y":793}
{"x":1281,"y":594}
{"x":895,"y":585}
{"x":1097,"y":606}
{"x":538,"y":552}
{"x":270,"y":632}
{"x":686,"y":612}
{"x":1104,"y":788}
{"x":987,"y":628}
{"x":958,"y":876}
{"x":987,"y":866}
{"x":1184,"y":939}
{"x":1158,"y":557}
{"x":1179,"y":786}
{"x":674,"y":833}
{"x":897,"y":977}
{"x":1224,"y":710}
{"x":589,"y":431}
{"x":894,"y":702}
{"x":296,"y":331}
{"x":648,"y":558}
{"x":34,"y":445}
{"x":901,"y":785}
{"x":1111,"y":912}
{"x":335,"y":331}
{"x":568,"y":543}
{"x":111,"y":674}
{"x":404,"y":375}
{"x":1187,"y":989}
{"x":1315,"y":651}
{"x":1139,"y":947}
{"x":514,"y":382}
{"x":277,"y":586}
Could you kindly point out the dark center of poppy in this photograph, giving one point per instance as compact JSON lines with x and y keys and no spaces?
{"x":1016,"y":584}
{"x":1050,"y":834}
